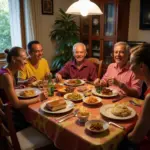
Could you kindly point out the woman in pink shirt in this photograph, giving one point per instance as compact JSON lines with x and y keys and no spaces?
{"x":119,"y":76}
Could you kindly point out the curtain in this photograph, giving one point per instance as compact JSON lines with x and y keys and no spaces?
{"x":30,"y":19}
{"x":15,"y":24}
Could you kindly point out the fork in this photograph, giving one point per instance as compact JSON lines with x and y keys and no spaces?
{"x":59,"y":118}
{"x":65,"y":117}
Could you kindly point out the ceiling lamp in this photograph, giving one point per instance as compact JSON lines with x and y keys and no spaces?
{"x":84,"y":8}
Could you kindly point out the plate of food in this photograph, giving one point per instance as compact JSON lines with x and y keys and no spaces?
{"x":57,"y":106}
{"x":105,"y":92}
{"x":96,"y":125}
{"x":117,"y":111}
{"x":92,"y":100}
{"x":75,"y":96}
{"x":74,"y":82}
{"x":27,"y":92}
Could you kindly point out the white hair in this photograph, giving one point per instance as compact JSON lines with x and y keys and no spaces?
{"x":127,"y":47}
{"x":75,"y":45}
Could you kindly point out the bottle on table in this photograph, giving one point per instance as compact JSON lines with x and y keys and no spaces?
{"x":50,"y":86}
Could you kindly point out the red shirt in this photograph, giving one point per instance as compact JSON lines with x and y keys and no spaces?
{"x":87,"y":71}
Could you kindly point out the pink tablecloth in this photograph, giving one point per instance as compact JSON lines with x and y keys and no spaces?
{"x":71,"y":135}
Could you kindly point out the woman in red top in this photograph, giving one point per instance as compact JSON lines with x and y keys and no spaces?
{"x":16,"y":59}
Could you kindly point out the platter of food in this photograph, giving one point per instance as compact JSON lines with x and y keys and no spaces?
{"x":74,"y":82}
{"x":75,"y":96}
{"x":92,"y":100}
{"x":57,"y":106}
{"x":105,"y":92}
{"x":117,"y":111}
{"x":96,"y":125}
{"x":27,"y":92}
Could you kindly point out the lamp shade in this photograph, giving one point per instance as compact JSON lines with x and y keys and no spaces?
{"x":84,"y":8}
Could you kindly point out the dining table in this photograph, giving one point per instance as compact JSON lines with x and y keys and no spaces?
{"x":72,"y":134}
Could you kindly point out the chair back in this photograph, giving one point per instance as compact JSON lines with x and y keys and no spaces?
{"x":98,"y":64}
{"x":7,"y":125}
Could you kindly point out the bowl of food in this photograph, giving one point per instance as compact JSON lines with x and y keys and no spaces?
{"x":83,"y":115}
{"x":96,"y":125}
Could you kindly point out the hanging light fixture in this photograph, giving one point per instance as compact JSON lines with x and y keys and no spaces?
{"x":84,"y":8}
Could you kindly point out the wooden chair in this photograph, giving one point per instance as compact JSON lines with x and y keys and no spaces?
{"x":26,"y":139}
{"x":98,"y":64}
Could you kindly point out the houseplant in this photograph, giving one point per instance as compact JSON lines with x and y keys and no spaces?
{"x":65,"y":33}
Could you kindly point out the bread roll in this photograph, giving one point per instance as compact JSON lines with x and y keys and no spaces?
{"x":56,"y":104}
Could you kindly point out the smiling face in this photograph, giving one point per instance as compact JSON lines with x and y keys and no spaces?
{"x":121,"y":55}
{"x":37,"y":52}
{"x":137,"y":68}
{"x":79,"y":53}
{"x":20,"y":61}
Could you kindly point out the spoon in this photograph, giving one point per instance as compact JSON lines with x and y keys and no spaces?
{"x":114,"y":124}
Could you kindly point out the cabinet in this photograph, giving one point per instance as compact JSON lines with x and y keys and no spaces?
{"x":99,"y":33}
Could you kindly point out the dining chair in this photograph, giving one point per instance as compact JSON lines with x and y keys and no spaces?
{"x":98,"y":64}
{"x":26,"y":139}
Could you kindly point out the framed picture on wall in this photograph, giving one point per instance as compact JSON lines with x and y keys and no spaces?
{"x":145,"y":14}
{"x":47,"y":7}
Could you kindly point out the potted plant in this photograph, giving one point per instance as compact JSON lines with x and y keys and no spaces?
{"x":65,"y":33}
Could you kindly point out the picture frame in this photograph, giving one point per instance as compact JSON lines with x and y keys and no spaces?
{"x":47,"y":7}
{"x":144,"y":15}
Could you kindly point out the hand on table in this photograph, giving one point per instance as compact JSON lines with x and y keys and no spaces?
{"x":21,"y":86}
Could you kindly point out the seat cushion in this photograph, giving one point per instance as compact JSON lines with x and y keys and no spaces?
{"x":31,"y":139}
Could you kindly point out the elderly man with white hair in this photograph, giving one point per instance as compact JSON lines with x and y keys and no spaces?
{"x":79,"y":68}
{"x":119,"y":75}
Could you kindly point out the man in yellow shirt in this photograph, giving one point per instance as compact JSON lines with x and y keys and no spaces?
{"x":37,"y":67}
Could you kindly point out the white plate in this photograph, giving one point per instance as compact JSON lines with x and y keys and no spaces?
{"x":98,"y":100}
{"x":66,"y":82}
{"x":66,"y":95}
{"x":114,"y":93}
{"x":105,"y":110}
{"x":88,"y":124}
{"x":69,"y":106}
{"x":37,"y":92}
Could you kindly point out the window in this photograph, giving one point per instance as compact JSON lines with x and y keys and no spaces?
{"x":5,"y":35}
